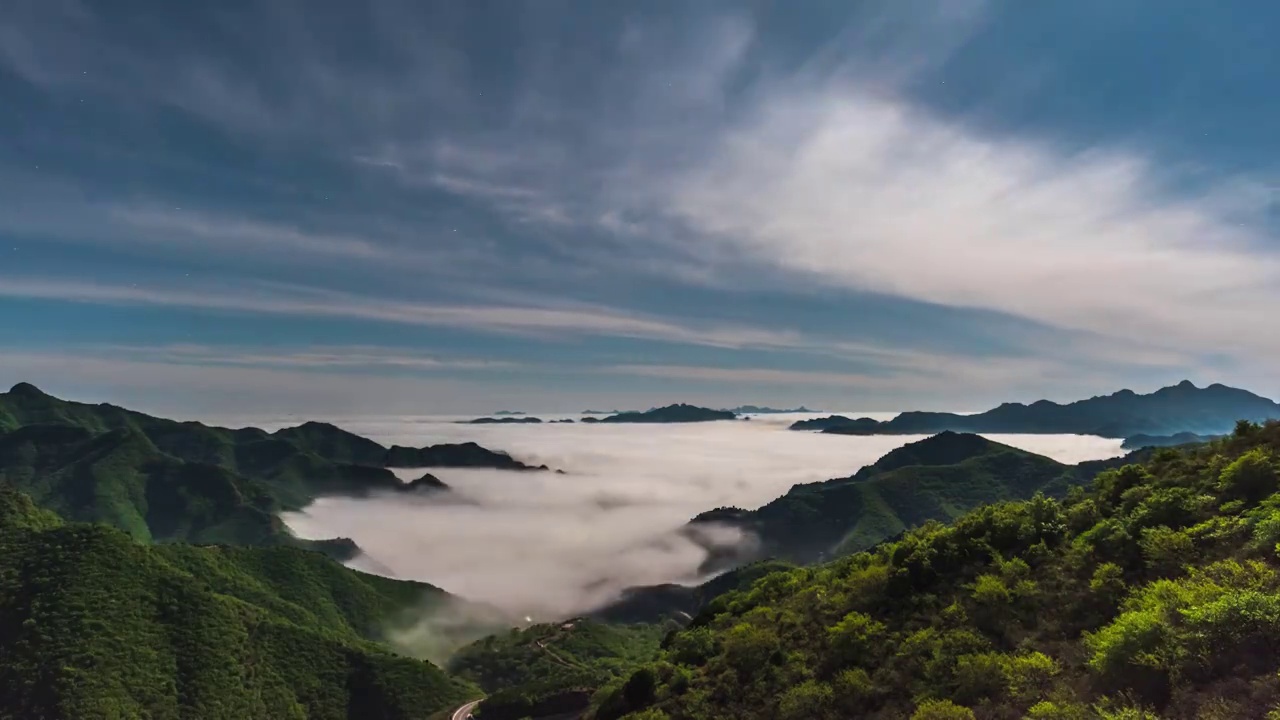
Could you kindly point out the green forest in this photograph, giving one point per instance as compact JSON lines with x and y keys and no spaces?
{"x":1149,"y":592}
{"x":96,"y":625}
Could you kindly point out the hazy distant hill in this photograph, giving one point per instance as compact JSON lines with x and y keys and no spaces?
{"x":765,"y":410}
{"x":1180,"y":408}
{"x":96,"y":625}
{"x":846,"y":424}
{"x":680,"y":413}
{"x":1134,"y":442}
{"x":161,"y":480}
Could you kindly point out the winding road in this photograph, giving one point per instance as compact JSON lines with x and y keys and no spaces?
{"x":464,"y":712}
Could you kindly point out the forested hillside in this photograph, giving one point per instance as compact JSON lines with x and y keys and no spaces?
{"x":161,"y":480}
{"x":937,"y":478}
{"x":554,"y":667}
{"x":1151,"y":591}
{"x":96,"y":625}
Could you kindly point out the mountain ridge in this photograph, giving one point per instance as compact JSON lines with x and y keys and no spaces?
{"x":677,"y":413}
{"x":162,"y":480}
{"x":1212,"y":410}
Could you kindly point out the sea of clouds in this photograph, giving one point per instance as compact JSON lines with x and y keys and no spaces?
{"x":547,"y":545}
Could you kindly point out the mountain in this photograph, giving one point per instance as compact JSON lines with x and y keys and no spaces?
{"x":93,"y":624}
{"x":937,"y":478}
{"x":1184,"y":438}
{"x":758,"y":410}
{"x":1184,"y":407}
{"x":1150,"y":592}
{"x":680,"y":413}
{"x":503,"y":421}
{"x":453,"y":455}
{"x":837,"y":421}
{"x":510,"y":412}
{"x":163,"y":481}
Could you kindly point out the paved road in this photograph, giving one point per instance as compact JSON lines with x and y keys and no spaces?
{"x":464,"y":712}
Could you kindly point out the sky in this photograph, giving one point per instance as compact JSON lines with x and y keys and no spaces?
{"x":444,"y":207}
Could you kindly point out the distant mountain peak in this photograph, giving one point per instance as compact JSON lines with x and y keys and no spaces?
{"x":25,"y":389}
{"x":944,"y":448}
{"x":1187,"y":385}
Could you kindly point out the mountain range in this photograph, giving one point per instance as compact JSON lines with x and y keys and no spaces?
{"x":1181,"y":408}
{"x":1150,"y":585}
{"x":162,"y":480}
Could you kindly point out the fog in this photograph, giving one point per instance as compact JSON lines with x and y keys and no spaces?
{"x":547,"y":545}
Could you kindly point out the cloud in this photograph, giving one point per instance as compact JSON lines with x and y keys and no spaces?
{"x":312,"y":302}
{"x":849,"y":187}
{"x":553,"y":546}
{"x":240,"y":233}
{"x":370,"y":358}
{"x":701,"y":161}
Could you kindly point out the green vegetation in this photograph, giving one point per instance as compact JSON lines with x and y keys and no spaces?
{"x":551,"y":668}
{"x":545,"y":651}
{"x":94,"y":624}
{"x":162,"y":481}
{"x":938,"y":478}
{"x":1151,"y":592}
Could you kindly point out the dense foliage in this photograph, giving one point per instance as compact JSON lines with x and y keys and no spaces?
{"x":1152,"y":591}
{"x":94,"y":624}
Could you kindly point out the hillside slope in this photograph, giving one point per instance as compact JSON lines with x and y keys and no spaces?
{"x":93,"y":624}
{"x":937,"y":478}
{"x":1152,"y":592}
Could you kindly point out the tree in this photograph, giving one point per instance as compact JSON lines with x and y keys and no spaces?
{"x":1252,"y":476}
{"x":942,"y":710}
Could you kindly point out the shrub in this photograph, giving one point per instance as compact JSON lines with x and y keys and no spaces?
{"x":942,"y":710}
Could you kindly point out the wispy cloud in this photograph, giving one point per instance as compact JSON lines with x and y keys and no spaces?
{"x":239,"y":233}
{"x":323,"y":303}
{"x":362,"y":357}
{"x":864,"y":191}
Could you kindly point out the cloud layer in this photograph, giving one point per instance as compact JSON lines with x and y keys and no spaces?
{"x":551,"y":545}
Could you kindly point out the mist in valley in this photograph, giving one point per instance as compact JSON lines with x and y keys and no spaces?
{"x":545,"y":545}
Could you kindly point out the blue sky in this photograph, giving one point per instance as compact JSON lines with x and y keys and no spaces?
{"x":398,"y":206}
